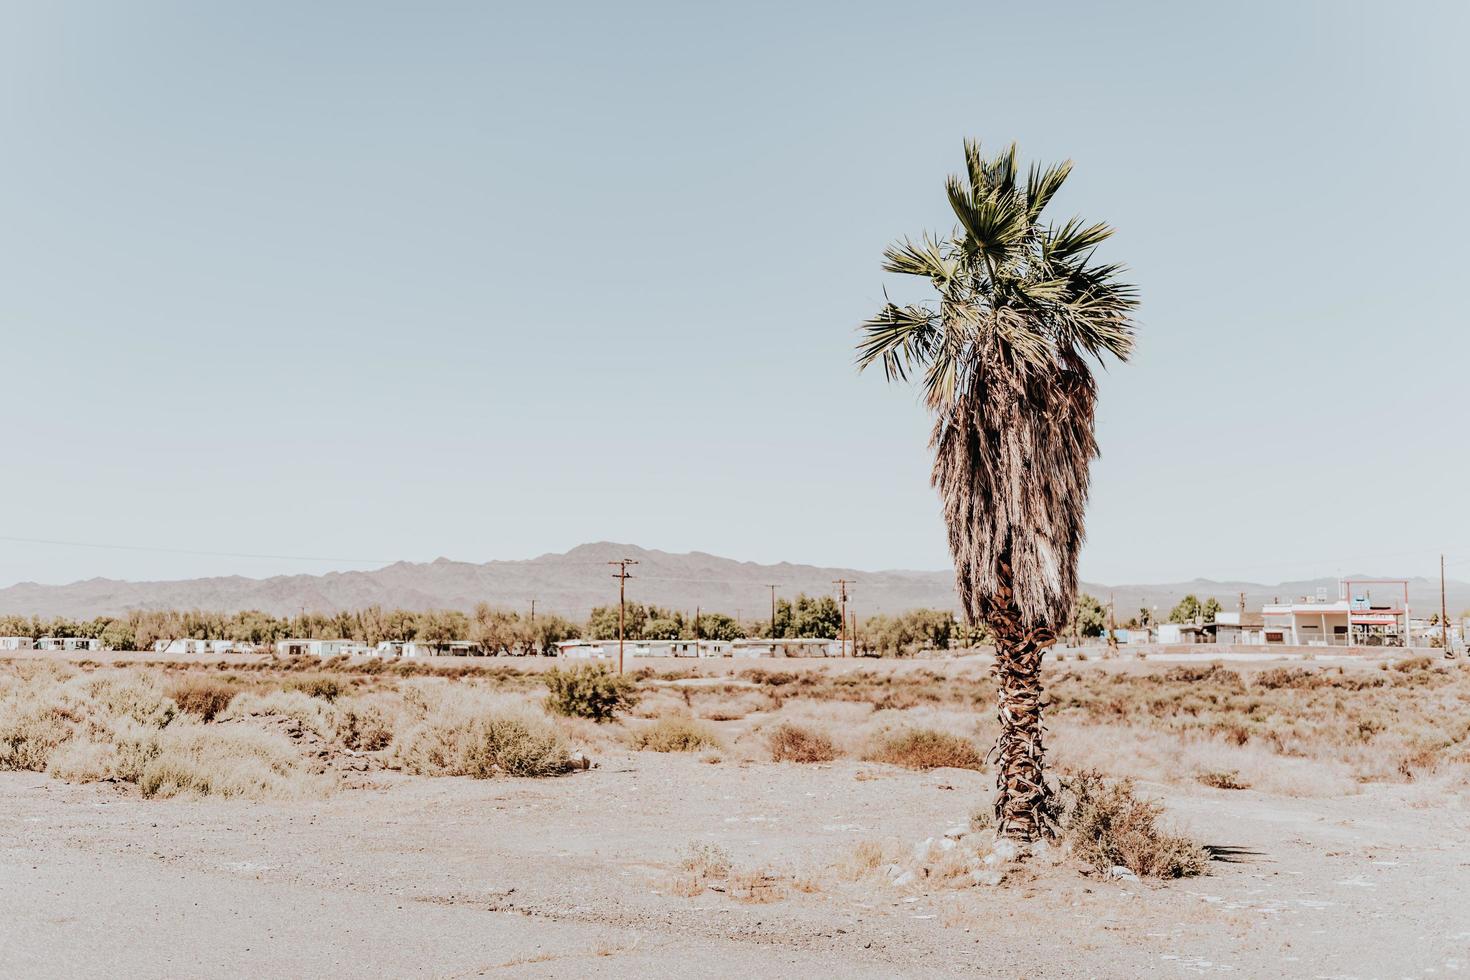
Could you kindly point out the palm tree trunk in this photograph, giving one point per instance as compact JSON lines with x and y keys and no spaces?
{"x":1022,"y":805}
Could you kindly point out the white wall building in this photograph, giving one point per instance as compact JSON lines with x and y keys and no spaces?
{"x":68,"y":643}
{"x":319,"y":648}
{"x":1355,"y":619}
{"x":187,"y":647}
{"x":17,"y":643}
{"x":608,"y":649}
{"x":803,"y":647}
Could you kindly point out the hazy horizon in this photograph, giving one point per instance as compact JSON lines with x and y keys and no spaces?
{"x":292,"y":285}
{"x":634,"y":548}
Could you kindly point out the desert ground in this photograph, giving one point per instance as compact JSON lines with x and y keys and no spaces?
{"x":297,"y":821}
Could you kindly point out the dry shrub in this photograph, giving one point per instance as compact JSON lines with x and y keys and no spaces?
{"x":589,"y":691}
{"x":706,"y":861}
{"x":314,"y":714}
{"x":1106,"y":824}
{"x":235,"y":761}
{"x":367,"y":723}
{"x":759,"y":887}
{"x":795,"y":743}
{"x":675,"y":734}
{"x":925,"y":748}
{"x":83,"y":761}
{"x":29,"y":734}
{"x":317,"y":686}
{"x":202,"y":696}
{"x":1223,"y":779}
{"x":867,"y":857}
{"x":460,"y":738}
{"x":132,"y":695}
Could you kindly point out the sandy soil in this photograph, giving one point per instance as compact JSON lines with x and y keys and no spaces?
{"x":573,"y":877}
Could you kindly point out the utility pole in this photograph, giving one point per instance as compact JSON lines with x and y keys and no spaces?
{"x":773,"y":610}
{"x":533,"y":612}
{"x":1112,"y":626}
{"x":1444,"y":621}
{"x":622,"y":576}
{"x":842,"y":632}
{"x":696,"y":630}
{"x":854,"y":633}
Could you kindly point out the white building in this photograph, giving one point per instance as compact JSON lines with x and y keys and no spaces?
{"x":1355,"y":618}
{"x":608,"y":649}
{"x":1241,"y":629}
{"x":68,"y":643}
{"x":319,"y":648}
{"x":17,"y":643}
{"x":803,"y":647}
{"x":419,"y":648}
{"x":186,"y":647}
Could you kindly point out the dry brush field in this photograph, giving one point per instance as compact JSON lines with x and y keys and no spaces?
{"x":1213,"y":817}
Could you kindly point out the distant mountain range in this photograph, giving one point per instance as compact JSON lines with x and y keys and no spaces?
{"x":574,"y":582}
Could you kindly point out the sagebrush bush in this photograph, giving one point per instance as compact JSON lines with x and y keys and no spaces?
{"x":317,"y":686}
{"x":796,"y":743}
{"x":29,"y":734}
{"x":1105,"y":823}
{"x":453,"y":742}
{"x":197,"y":760}
{"x":675,"y":734}
{"x":589,"y":691}
{"x":202,"y":696}
{"x":314,"y":714}
{"x":925,"y":748}
{"x":367,"y":723}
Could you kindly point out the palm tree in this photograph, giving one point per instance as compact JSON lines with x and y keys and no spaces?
{"x":1004,"y":361}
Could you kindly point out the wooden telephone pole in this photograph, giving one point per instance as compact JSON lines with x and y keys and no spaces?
{"x":1444,"y":620}
{"x":773,"y":611}
{"x":842,"y":584}
{"x":622,"y":576}
{"x":1112,"y":627}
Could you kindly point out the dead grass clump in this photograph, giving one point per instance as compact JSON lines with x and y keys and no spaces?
{"x":317,"y":686}
{"x":314,"y":714}
{"x":202,"y":696}
{"x":1223,"y":779}
{"x":675,"y":734}
{"x":796,"y":743}
{"x":758,"y":887}
{"x":456,"y":742}
{"x":29,"y":734}
{"x":367,"y":723}
{"x":866,"y":858}
{"x":234,"y":761}
{"x":133,"y":695}
{"x":706,"y":861}
{"x":1412,"y":665}
{"x":1106,"y":824}
{"x":925,"y":748}
{"x":1278,"y":677}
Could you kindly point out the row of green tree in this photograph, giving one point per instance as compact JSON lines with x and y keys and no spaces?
{"x":506,"y":631}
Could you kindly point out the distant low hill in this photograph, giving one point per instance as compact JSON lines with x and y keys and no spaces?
{"x":574,"y":582}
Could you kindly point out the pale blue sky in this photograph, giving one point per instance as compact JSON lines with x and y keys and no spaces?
{"x":368,"y":280}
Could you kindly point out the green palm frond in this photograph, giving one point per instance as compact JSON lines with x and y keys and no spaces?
{"x":900,"y":336}
{"x":1042,"y":185}
{"x":1073,"y":238}
{"x":922,"y":259}
{"x":1013,"y":288}
{"x":994,"y":223}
